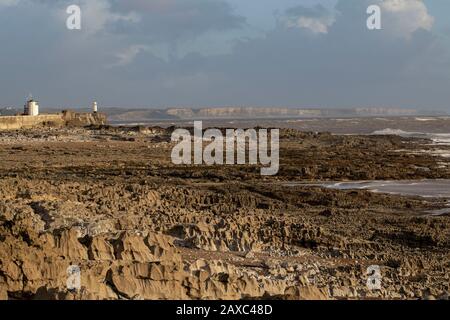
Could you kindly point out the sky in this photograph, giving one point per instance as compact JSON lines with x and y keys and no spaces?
{"x":198,"y":53}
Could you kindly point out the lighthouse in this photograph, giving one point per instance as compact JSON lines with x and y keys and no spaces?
{"x":31,"y":108}
{"x":94,"y":107}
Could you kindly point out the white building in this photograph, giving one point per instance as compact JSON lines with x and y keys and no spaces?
{"x":94,"y":107}
{"x":31,"y":108}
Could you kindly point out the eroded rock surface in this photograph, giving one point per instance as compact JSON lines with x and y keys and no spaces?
{"x":138,"y":227}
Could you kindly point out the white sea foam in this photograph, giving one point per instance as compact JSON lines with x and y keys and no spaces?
{"x":425,"y":119}
{"x":437,"y":138}
{"x":397,"y":132}
{"x":441,"y":153}
{"x":441,"y":138}
{"x":439,"y":212}
{"x":347,"y":119}
{"x":437,"y":188}
{"x":424,"y":188}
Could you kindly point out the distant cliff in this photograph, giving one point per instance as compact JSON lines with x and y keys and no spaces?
{"x":118,"y":114}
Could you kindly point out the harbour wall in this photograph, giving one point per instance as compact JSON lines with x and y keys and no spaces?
{"x":58,"y":119}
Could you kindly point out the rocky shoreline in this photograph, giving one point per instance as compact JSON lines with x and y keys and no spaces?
{"x":109,"y":200}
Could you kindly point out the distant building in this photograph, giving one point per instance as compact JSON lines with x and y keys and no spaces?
{"x":94,"y":107}
{"x":31,"y":108}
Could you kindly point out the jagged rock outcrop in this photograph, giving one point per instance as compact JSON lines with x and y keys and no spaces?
{"x":110,"y":202}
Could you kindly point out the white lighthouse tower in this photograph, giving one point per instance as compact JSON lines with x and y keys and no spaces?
{"x":94,"y":107}
{"x":31,"y":108}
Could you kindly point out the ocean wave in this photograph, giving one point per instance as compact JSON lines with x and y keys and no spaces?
{"x":437,"y":138}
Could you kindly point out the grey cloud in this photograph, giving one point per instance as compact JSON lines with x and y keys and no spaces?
{"x":316,"y":19}
{"x":347,"y":66}
{"x":317,"y":11}
{"x":166,"y":20}
{"x":179,"y":19}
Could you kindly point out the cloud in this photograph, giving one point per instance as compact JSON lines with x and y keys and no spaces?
{"x":316,"y":19}
{"x":96,"y":16}
{"x":348,"y":65}
{"x":8,"y":3}
{"x":404,"y":17}
{"x":174,"y":20}
{"x":127,"y":56}
{"x":400,"y":17}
